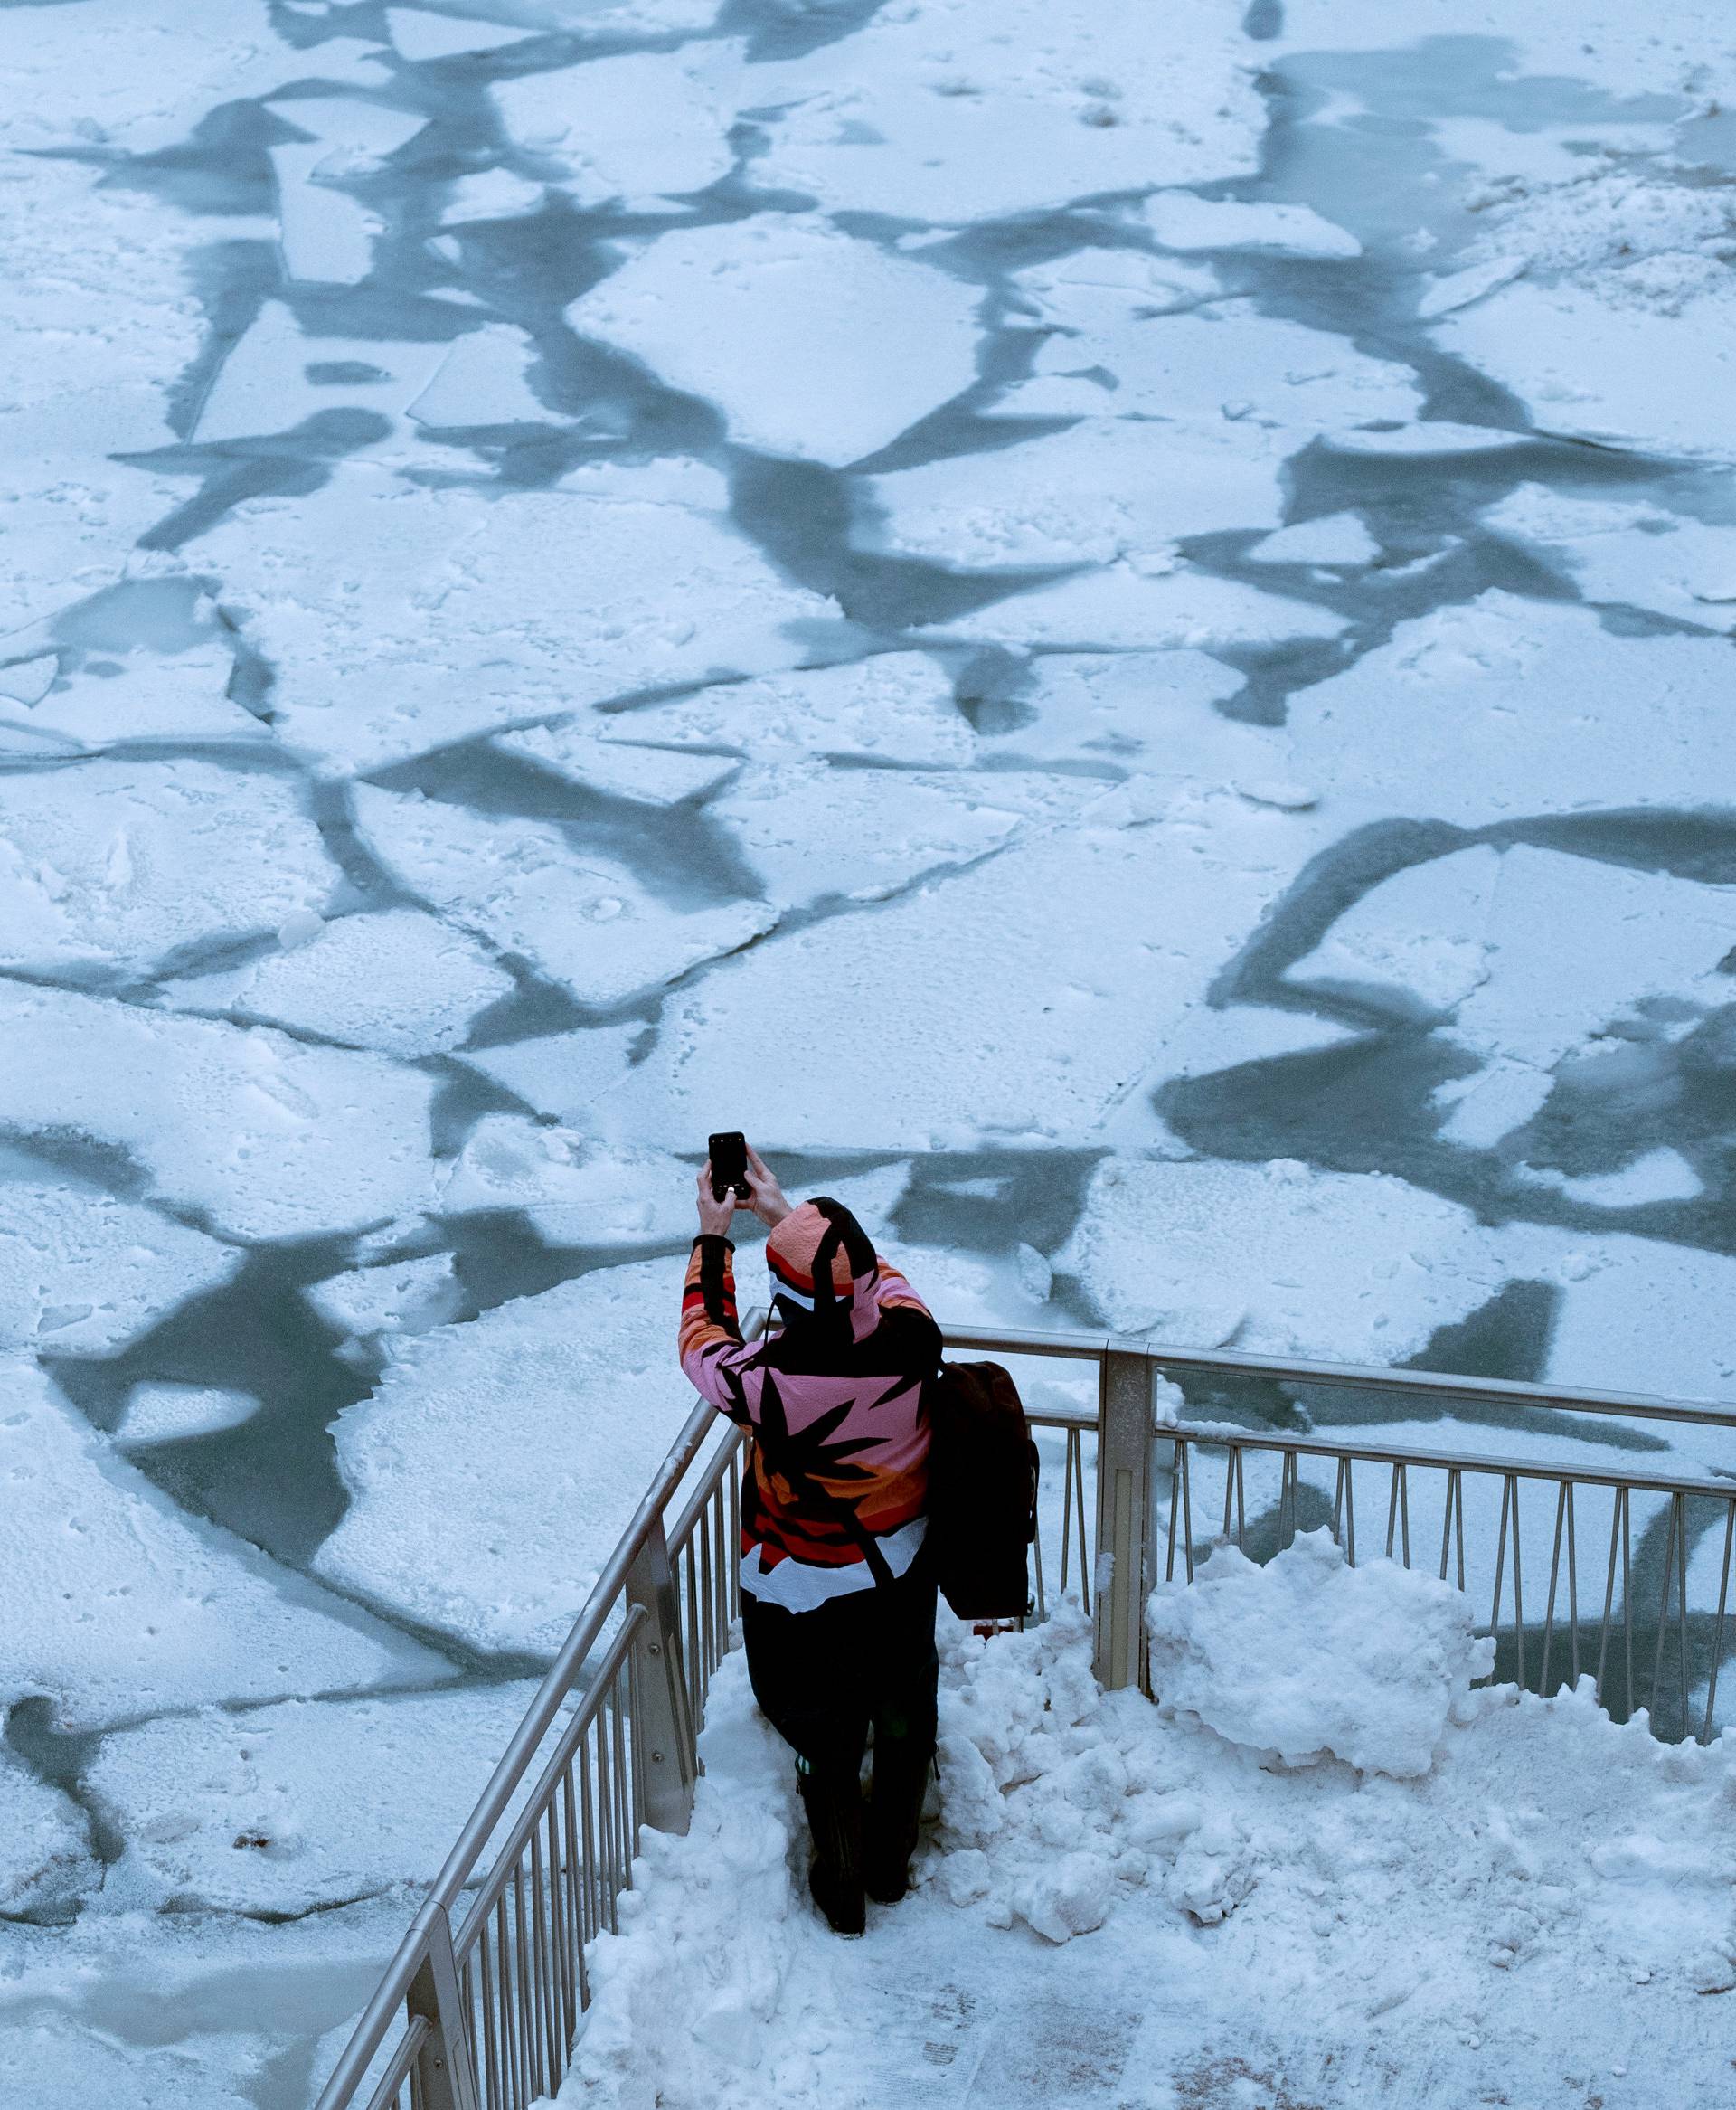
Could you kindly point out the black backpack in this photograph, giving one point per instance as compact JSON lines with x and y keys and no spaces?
{"x":982,"y":1491}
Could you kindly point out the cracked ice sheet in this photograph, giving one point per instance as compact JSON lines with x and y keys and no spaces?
{"x":400,"y":1296}
{"x":1181,"y":220}
{"x":1106,"y":487}
{"x":268,"y":383}
{"x":1628,"y":551}
{"x":46,"y":1864}
{"x":119,"y":1603}
{"x":581,"y":916}
{"x":1637,"y":1314}
{"x":639,"y":127}
{"x":1477,"y":713}
{"x":811,"y":832}
{"x":146,"y":696}
{"x":1676,"y":50}
{"x":328,"y":234}
{"x":1222,"y":363}
{"x":1533,"y":952}
{"x":187,"y":1790}
{"x":585,"y":754}
{"x":272,"y":1139}
{"x":531,"y":1432}
{"x":473,"y":611}
{"x":808,"y":341}
{"x":1347,"y":1267}
{"x":183,"y":2011}
{"x":1154,"y":706}
{"x":562,"y":1073}
{"x":1159,"y":600}
{"x":399,"y":981}
{"x":113,"y":863}
{"x":894,"y":707}
{"x":954,"y":110}
{"x":573,"y":1191}
{"x":1041,"y":986}
{"x":82,"y":1273}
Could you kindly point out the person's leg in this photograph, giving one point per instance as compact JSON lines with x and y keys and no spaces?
{"x":906,"y":1671}
{"x":805,"y":1669}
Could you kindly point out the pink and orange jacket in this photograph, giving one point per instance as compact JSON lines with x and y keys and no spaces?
{"x":836,"y":1402}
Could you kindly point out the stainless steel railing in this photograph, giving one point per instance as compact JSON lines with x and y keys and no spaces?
{"x":483,"y":2016}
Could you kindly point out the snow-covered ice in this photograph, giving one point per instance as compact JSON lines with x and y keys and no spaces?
{"x":1113,"y":625}
{"x":539,"y":1423}
{"x":121,"y":1605}
{"x":594,"y":924}
{"x":810,"y":343}
{"x":400,"y":981}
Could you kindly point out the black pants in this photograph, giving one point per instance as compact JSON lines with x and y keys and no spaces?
{"x":822,"y":1676}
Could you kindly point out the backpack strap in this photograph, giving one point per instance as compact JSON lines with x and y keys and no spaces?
{"x":844,"y":1513}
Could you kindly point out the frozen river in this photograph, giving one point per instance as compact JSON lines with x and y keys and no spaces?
{"x":1110,"y":628}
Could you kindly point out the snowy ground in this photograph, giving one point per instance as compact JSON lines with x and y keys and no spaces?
{"x":1111,"y":627}
{"x":1325,"y":1872}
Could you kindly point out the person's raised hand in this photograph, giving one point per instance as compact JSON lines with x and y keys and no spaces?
{"x":713,"y":1214}
{"x":765,"y":1196}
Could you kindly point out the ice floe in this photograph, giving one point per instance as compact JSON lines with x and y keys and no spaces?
{"x":635,"y":126}
{"x":939,"y":114}
{"x":484,"y":380}
{"x":1144,"y":603}
{"x":532,"y":1432}
{"x":328,"y":234}
{"x":1332,"y":538}
{"x":266,"y":1136}
{"x":809,"y":342}
{"x":591,"y":751}
{"x":1151,"y":710}
{"x":1481,"y":712}
{"x":1041,"y":985}
{"x":1627,"y":551}
{"x":1181,"y":220}
{"x":167,"y":1414}
{"x":400,"y":1296}
{"x":894,"y":707}
{"x":562,"y":1073}
{"x":233,"y":1810}
{"x":136,"y":695}
{"x":809,"y":830}
{"x":1347,"y":1267}
{"x":419,"y":34}
{"x":113,"y":865}
{"x":1222,"y":364}
{"x":120,"y":1605}
{"x":81,"y":1272}
{"x":1104,"y":488}
{"x":574,"y":1189}
{"x":466,"y":617}
{"x":279,"y":373}
{"x":578,"y":914}
{"x":400,"y":981}
{"x":46,"y":1864}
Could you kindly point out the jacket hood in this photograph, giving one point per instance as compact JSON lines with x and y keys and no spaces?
{"x":823,"y":1268}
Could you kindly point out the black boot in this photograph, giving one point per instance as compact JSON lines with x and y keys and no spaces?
{"x":894,"y":1813}
{"x":834,"y":1806}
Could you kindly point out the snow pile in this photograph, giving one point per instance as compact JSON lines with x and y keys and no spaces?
{"x":1309,"y":1657}
{"x":1369,"y":1914}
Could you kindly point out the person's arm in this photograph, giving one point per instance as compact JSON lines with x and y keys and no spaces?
{"x":710,"y":1344}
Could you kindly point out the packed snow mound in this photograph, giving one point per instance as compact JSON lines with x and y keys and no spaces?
{"x":1311,"y":1658}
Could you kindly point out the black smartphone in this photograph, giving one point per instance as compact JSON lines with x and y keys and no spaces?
{"x":729,"y":1156}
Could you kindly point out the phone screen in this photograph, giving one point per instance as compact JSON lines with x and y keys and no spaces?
{"x":729,"y":1156}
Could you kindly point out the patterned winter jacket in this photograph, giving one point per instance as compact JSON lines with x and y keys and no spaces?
{"x":836,"y":1404}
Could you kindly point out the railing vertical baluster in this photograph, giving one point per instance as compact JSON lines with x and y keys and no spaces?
{"x":1678,"y":1519}
{"x":1572,"y":1589}
{"x":1718,"y":1630}
{"x":1681,"y":1610}
{"x":1242,"y":1503}
{"x":1036,"y":1548}
{"x":1628,"y":1595}
{"x":1289,"y":1486}
{"x":1554,"y":1577}
{"x":1087,"y":1580}
{"x":1501,"y":1557}
{"x":1393,"y":1513}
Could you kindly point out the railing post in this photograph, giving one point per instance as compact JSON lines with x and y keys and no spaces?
{"x":444,"y":2074}
{"x":665,"y":1729}
{"x":1124,"y":1576}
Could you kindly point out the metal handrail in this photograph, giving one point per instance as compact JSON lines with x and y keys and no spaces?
{"x":486,"y":2015}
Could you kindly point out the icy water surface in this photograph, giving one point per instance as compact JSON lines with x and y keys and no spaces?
{"x":1125,"y":661}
